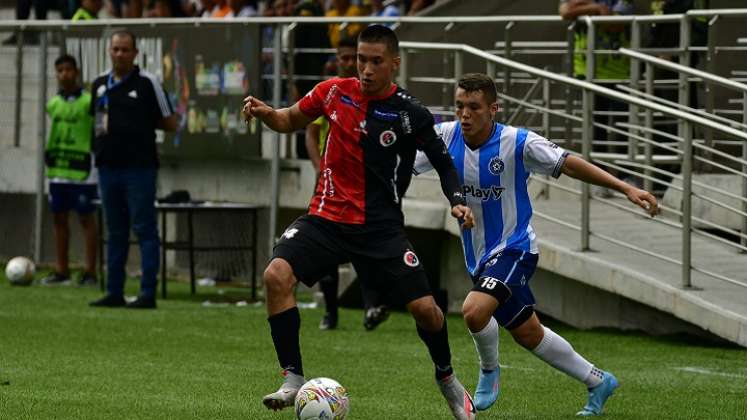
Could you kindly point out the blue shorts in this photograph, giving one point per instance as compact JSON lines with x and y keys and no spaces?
{"x":506,"y":277}
{"x":66,"y":197}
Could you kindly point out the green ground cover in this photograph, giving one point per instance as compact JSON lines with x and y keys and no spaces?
{"x":61,"y":359}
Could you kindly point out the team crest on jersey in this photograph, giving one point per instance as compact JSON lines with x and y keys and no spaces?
{"x":411,"y":259}
{"x":496,"y":165}
{"x":387,"y":138}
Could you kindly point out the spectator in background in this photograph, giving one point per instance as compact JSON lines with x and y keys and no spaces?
{"x":309,"y":36}
{"x":343,"y":8}
{"x":72,"y":178}
{"x":416,"y":6}
{"x":607,"y":66}
{"x":221,"y":9}
{"x":242,"y":8}
{"x":88,"y":10}
{"x":128,"y":105}
{"x":41,"y":7}
{"x":379,"y":10}
{"x":165,"y":9}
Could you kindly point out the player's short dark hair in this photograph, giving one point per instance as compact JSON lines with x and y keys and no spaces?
{"x":124,"y":32}
{"x":66,"y":58}
{"x":479,"y":82}
{"x":380,"y":34}
{"x":348,"y":42}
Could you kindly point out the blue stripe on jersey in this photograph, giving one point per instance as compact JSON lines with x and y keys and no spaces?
{"x":456,"y":149}
{"x":519,"y":238}
{"x":491,"y":208}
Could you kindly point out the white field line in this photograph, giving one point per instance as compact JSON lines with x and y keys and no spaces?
{"x":704,"y":371}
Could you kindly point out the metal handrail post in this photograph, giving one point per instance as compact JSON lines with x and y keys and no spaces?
{"x":19,"y":89}
{"x":507,"y":71}
{"x":588,"y":130}
{"x":547,"y":101}
{"x":42,"y":141}
{"x":570,"y":57}
{"x":635,"y":75}
{"x":649,"y":123}
{"x":683,"y":84}
{"x":458,"y":66}
{"x":403,"y":67}
{"x":687,"y":172}
{"x":744,"y":169}
{"x":275,"y":167}
{"x":591,"y":44}
{"x":710,"y":68}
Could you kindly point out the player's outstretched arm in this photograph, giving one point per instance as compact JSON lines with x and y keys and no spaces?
{"x":575,"y":167}
{"x":283,"y":120}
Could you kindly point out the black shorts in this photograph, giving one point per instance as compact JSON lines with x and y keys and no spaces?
{"x":382,"y":255}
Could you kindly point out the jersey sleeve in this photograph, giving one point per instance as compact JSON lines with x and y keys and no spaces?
{"x":430,"y":143}
{"x":162,"y":105}
{"x":312,"y":105}
{"x":422,"y":163}
{"x":542,"y":156}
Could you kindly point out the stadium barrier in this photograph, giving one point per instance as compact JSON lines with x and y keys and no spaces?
{"x":540,"y":81}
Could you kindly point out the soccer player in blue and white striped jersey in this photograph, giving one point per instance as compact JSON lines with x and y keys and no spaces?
{"x":494,"y":162}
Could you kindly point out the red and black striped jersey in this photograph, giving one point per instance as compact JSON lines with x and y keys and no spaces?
{"x":367,"y":162}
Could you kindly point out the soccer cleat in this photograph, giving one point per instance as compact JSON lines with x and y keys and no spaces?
{"x":328,"y":322}
{"x":285,"y":396}
{"x":109,"y":301}
{"x":598,"y":395}
{"x":458,"y":398}
{"x":488,"y":388}
{"x":143,"y":302}
{"x":56,"y":279}
{"x":88,"y":280}
{"x":375,"y":316}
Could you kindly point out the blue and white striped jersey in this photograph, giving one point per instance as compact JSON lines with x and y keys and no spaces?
{"x":494,"y":181}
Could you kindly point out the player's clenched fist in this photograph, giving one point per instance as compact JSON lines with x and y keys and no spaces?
{"x":253,"y":107}
{"x":464,"y":214}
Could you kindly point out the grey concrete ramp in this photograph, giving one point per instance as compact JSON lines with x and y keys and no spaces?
{"x":715,"y":305}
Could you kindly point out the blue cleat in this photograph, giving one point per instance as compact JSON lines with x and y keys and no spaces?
{"x":598,"y":395}
{"x":488,"y":388}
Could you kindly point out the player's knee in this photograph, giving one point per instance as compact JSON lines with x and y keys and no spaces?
{"x":475,"y":317}
{"x":427,"y":314}
{"x":277,"y":278}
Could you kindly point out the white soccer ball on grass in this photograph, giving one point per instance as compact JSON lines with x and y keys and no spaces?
{"x":20,"y":271}
{"x":322,"y":398}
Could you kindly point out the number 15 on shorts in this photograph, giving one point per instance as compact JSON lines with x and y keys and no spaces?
{"x":489,"y":282}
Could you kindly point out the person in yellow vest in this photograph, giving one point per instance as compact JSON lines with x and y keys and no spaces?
{"x":316,"y":141}
{"x":343,"y":8}
{"x":88,"y":10}
{"x":72,"y":178}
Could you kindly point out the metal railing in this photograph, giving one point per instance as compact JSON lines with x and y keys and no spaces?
{"x":642,"y":134}
{"x":685,"y":150}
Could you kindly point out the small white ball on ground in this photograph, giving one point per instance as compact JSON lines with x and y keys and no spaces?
{"x":20,"y":271}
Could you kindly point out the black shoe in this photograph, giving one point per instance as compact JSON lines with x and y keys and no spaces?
{"x":375,"y":316}
{"x":329,"y":322}
{"x":109,"y":301}
{"x":143,"y":302}
{"x":56,"y":279}
{"x":88,"y":280}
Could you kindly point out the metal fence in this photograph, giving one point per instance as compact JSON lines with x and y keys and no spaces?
{"x":557,"y":112}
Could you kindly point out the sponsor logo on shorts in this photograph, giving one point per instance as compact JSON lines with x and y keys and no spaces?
{"x":290,"y":233}
{"x":496,"y":166}
{"x":387,"y":138}
{"x":411,"y":259}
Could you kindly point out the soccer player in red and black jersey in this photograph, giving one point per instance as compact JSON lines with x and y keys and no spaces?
{"x":356,"y":213}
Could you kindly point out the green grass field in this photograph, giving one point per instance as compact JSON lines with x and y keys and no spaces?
{"x":61,"y":359}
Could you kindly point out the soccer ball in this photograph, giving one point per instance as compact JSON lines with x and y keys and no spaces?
{"x":20,"y":271}
{"x":322,"y":398}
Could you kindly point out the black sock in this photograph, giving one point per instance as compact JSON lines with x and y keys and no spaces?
{"x":284,"y":328}
{"x":329,"y":285}
{"x":438,"y":347}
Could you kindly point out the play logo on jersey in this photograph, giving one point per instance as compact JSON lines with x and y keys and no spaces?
{"x":387,"y":138}
{"x":411,"y":259}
